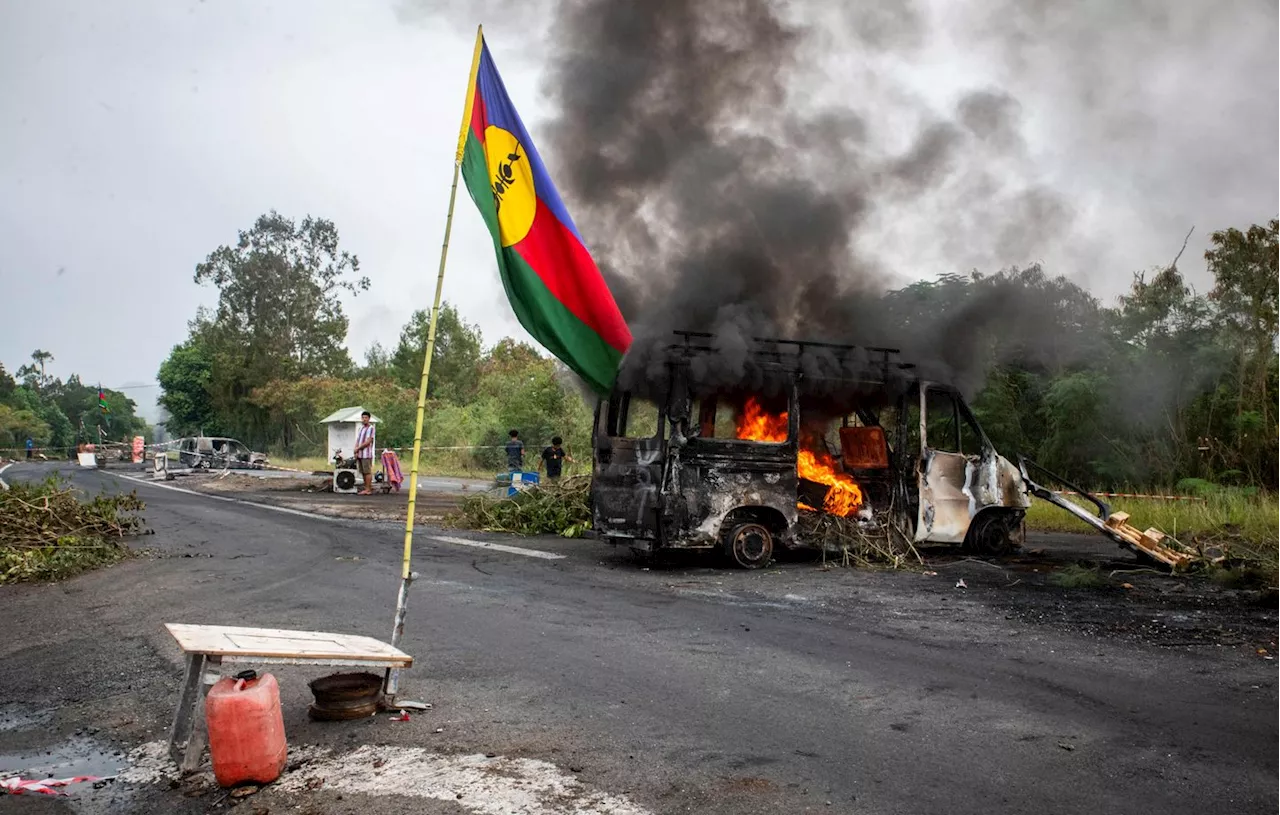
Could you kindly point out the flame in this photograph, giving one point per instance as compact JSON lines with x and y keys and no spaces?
{"x":757,"y":425}
{"x":843,"y":496}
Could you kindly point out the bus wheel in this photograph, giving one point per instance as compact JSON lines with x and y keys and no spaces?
{"x":751,"y":545}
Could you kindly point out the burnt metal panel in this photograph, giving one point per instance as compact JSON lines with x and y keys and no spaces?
{"x":625,"y":488}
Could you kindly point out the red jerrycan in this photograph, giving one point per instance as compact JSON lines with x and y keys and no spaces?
{"x":246,"y":729}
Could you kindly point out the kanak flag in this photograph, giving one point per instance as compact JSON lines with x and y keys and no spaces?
{"x":554,"y":286}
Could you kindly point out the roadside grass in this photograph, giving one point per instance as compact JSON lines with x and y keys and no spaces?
{"x":49,"y":532}
{"x":307,"y":463}
{"x":1077,"y":576}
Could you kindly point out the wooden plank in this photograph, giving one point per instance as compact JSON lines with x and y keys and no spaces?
{"x":1118,"y":519}
{"x":325,"y":662}
{"x":233,"y":641}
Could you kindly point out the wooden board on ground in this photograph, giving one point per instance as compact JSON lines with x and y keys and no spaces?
{"x":275,"y":643}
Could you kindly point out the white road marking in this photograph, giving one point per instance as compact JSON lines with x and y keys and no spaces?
{"x":500,"y":547}
{"x":3,"y":485}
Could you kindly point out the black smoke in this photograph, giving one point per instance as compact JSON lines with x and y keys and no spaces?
{"x":743,"y":167}
{"x":722,"y":193}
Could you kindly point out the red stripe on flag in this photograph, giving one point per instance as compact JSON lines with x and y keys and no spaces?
{"x":479,"y":115}
{"x":572,"y":277}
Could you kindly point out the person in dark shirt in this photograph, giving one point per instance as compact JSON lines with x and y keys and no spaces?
{"x":515,"y":452}
{"x":554,"y":457}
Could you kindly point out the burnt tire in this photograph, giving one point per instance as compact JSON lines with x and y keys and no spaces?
{"x":750,"y":545}
{"x":992,"y":533}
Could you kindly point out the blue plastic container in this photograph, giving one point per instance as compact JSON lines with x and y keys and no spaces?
{"x":521,"y":480}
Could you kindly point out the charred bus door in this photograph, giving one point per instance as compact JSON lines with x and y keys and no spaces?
{"x":629,"y":454}
{"x":961,"y":474}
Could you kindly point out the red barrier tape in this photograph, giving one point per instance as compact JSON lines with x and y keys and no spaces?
{"x":1136,"y":495}
{"x":44,"y":786}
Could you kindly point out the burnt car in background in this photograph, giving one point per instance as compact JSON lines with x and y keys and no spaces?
{"x":699,"y":466}
{"x":218,"y":453}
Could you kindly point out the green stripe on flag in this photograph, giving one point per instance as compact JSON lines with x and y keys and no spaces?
{"x":553,"y":325}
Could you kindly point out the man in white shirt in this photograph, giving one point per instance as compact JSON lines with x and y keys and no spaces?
{"x":364,"y":451}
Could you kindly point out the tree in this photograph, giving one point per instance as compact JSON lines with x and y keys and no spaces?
{"x":184,"y":379}
{"x":278,"y":316}
{"x":16,"y":426}
{"x":453,"y":363}
{"x":34,"y":374}
{"x":7,"y":384}
{"x":61,"y":432}
{"x":377,"y":363}
{"x":1246,"y":268}
{"x":296,"y":407}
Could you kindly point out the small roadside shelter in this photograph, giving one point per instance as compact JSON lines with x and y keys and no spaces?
{"x":343,"y":425}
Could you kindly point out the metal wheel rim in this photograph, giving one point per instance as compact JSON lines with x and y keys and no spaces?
{"x":752,"y":544}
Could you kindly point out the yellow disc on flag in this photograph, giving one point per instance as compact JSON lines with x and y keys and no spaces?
{"x":511,"y":181}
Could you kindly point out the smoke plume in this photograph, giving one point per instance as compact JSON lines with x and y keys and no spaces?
{"x":745,"y":167}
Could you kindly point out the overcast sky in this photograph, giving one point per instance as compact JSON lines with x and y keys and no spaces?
{"x":138,"y":136}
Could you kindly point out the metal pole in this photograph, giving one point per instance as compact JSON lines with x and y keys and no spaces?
{"x":391,"y":685}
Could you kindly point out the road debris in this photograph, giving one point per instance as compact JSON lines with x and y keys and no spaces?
{"x":475,"y":783}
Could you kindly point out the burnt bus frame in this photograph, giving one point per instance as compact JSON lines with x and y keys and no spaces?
{"x":675,"y":513}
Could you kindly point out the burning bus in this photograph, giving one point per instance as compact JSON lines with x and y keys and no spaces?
{"x":685,"y":459}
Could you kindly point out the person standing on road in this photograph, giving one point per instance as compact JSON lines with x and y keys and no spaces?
{"x":515,"y":452}
{"x":364,"y":451}
{"x":30,"y":446}
{"x":554,"y":457}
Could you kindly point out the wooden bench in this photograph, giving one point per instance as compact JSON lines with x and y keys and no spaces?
{"x":212,"y":646}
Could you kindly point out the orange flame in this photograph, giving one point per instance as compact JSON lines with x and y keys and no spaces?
{"x":757,"y":425}
{"x":844,"y":497}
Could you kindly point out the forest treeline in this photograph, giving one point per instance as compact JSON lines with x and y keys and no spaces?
{"x":1166,"y":384}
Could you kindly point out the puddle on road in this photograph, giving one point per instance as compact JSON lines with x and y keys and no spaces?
{"x":77,"y":756}
{"x":123,"y":772}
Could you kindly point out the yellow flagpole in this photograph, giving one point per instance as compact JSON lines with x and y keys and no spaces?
{"x":406,"y":575}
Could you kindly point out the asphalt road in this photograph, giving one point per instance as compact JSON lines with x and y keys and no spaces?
{"x":687,"y":689}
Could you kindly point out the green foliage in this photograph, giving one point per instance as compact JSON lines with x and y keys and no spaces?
{"x":184,"y":379}
{"x":33,"y":375}
{"x":513,"y":387}
{"x":49,"y":532}
{"x":1166,"y":385}
{"x":1075,"y":418}
{"x":454,"y":359}
{"x":59,"y":432}
{"x":295,"y":407}
{"x":377,"y":363}
{"x":549,"y":509}
{"x":278,"y":317}
{"x":57,"y":414}
{"x":7,"y":384}
{"x":18,"y":425}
